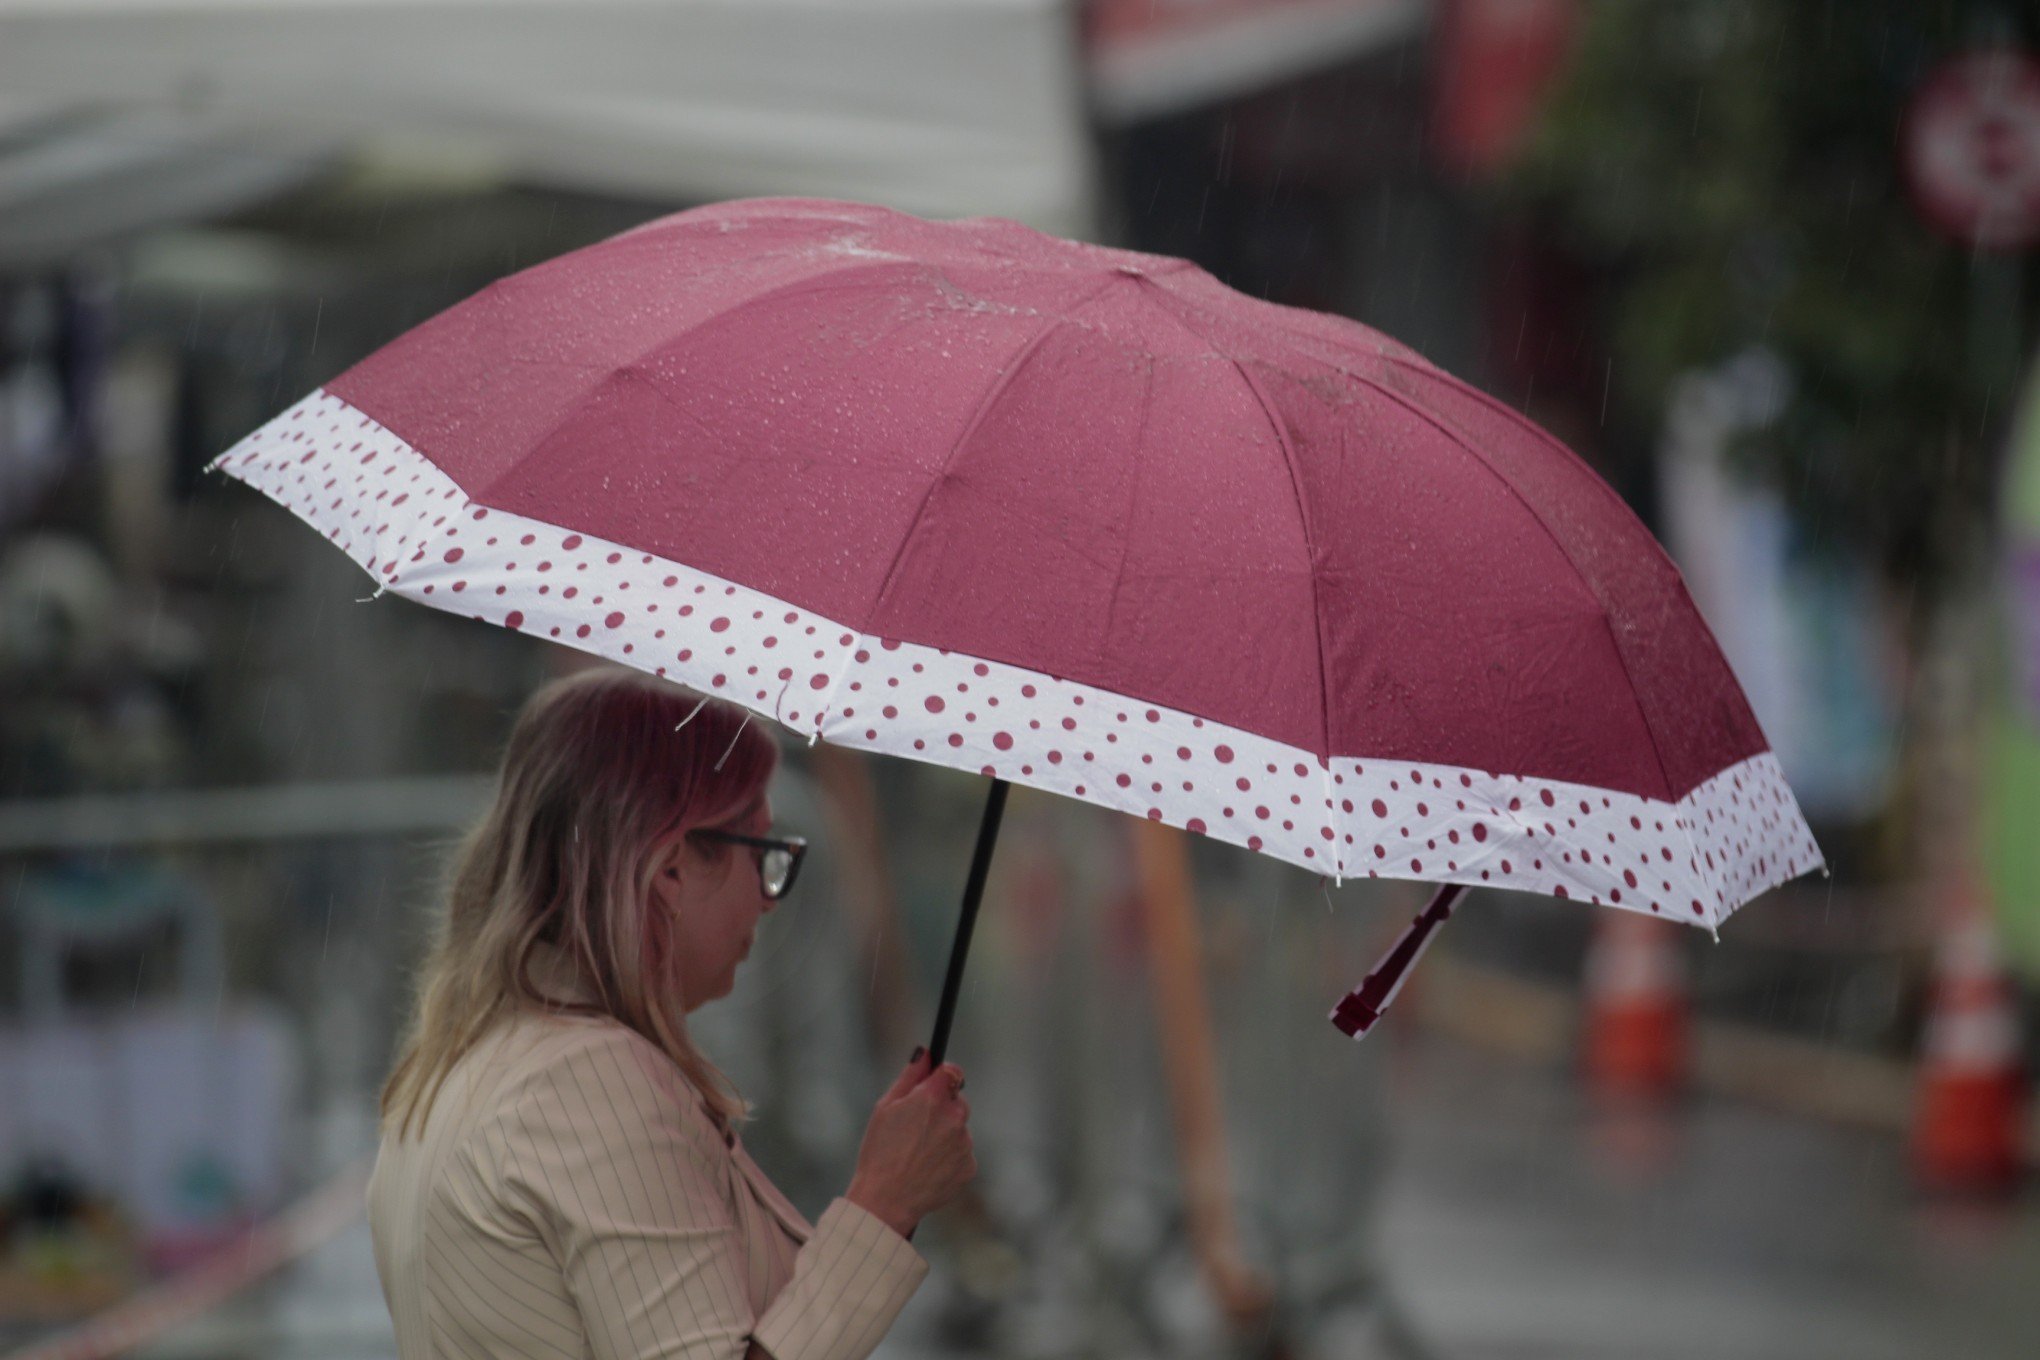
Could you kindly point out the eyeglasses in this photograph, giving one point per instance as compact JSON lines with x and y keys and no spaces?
{"x":777,"y":867}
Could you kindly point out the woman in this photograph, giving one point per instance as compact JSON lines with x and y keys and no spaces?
{"x":560,"y":1172}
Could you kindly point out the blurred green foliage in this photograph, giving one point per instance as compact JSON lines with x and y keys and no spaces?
{"x":1736,"y":161}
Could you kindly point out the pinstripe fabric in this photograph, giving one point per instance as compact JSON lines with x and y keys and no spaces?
{"x":570,"y":1196}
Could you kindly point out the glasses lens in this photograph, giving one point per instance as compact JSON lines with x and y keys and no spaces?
{"x":773,"y":870}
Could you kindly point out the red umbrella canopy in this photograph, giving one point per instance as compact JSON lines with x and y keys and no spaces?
{"x":1074,"y":517}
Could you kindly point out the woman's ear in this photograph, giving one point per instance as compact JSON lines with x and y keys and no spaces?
{"x":673,"y":871}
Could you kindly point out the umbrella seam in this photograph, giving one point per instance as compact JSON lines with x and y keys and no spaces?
{"x":1316,"y":614}
{"x":1418,"y":364}
{"x":977,"y":416}
{"x":1607,"y":492}
{"x":1445,"y":428}
{"x":631,"y":368}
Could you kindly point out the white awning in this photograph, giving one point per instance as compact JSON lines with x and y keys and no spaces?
{"x":1150,"y":58}
{"x":115,"y":114}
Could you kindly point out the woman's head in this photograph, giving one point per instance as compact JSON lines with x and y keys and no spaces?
{"x":586,"y":849}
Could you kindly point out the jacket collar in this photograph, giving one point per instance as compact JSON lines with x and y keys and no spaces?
{"x":557,"y":979}
{"x":561,"y":986}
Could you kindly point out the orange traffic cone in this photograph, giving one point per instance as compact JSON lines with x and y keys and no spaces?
{"x":1966,"y":1132}
{"x":1635,"y":1023}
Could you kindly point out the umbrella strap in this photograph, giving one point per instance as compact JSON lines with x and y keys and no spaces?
{"x":1364,"y":1005}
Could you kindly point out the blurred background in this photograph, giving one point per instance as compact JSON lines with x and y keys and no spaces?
{"x":1765,"y":264}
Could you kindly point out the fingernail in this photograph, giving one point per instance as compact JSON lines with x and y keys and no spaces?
{"x":919,"y":1049}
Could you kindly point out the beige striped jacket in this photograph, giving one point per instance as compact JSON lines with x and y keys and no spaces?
{"x":570,"y":1196}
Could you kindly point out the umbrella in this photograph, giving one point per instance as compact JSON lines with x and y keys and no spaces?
{"x":1073,"y":517}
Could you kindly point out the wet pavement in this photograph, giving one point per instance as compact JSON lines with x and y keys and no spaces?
{"x":1522,"y":1222}
{"x":1518,"y":1222}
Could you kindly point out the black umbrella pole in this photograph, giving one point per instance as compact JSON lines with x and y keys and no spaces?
{"x":980,"y":868}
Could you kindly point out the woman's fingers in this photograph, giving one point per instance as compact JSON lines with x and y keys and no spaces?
{"x":916,"y":1072}
{"x":946,"y":1080}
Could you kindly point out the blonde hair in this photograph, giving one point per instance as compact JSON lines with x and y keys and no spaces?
{"x":601,"y":769}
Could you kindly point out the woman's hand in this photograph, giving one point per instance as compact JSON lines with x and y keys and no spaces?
{"x":916,"y":1155}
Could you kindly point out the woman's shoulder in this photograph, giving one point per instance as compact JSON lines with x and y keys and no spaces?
{"x":592,"y":1075}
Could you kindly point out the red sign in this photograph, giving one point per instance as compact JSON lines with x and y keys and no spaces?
{"x":1971,"y":149}
{"x":1496,"y":59}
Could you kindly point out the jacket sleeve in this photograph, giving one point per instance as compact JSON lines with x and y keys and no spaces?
{"x":609,"y":1156}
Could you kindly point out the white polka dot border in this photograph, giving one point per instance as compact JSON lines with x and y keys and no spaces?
{"x":419,"y":535}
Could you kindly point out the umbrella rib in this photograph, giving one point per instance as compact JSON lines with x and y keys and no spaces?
{"x":1317,"y":620}
{"x":1543,"y":436}
{"x":992,"y":394}
{"x":634,"y":367}
{"x":1446,"y":428}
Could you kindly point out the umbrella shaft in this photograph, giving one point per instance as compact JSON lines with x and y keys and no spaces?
{"x":980,"y":867}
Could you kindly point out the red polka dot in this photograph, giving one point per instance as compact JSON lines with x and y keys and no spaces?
{"x":514,"y":619}
{"x":1125,"y":780}
{"x":1002,"y":741}
{"x":454,"y":554}
{"x":615,"y":620}
{"x":718,"y":625}
{"x":933,"y":703}
{"x":1194,"y":824}
{"x":571,"y":542}
{"x":891,"y":712}
{"x":1380,"y":808}
{"x":956,"y":739}
{"x":818,"y":682}
{"x":1224,"y":754}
